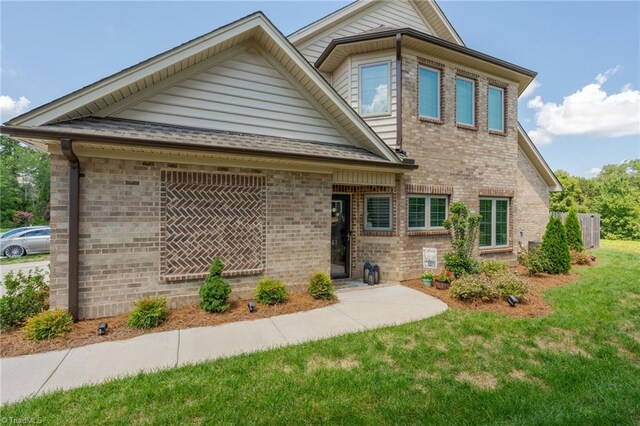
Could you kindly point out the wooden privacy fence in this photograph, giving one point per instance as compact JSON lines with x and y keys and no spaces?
{"x":590,"y":224}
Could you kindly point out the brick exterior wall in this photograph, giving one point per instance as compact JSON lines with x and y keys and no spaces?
{"x":120,"y":233}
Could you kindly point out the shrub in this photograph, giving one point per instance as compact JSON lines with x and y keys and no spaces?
{"x":271,"y":292}
{"x":493,"y":267}
{"x":21,"y":218}
{"x":214,"y":292}
{"x":474,"y":287}
{"x":555,"y":248}
{"x":534,"y":261}
{"x":26,"y":296}
{"x":321,"y":287}
{"x":574,"y":230}
{"x":149,"y":312}
{"x":508,"y":283}
{"x":49,"y":324}
{"x":463,"y":227}
{"x":580,"y":258}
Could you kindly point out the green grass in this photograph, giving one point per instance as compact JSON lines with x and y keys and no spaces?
{"x":581,"y":365}
{"x":24,"y":259}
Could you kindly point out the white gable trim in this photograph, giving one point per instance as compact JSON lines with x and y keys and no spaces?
{"x":538,"y":161}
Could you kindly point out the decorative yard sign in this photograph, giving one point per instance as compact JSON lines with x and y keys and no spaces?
{"x":429,"y":258}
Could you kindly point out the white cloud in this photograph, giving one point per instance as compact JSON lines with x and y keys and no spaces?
{"x":12,"y":72}
{"x":9,"y":108}
{"x":595,"y":170}
{"x":531,"y":88}
{"x":380,"y":101}
{"x":588,"y":111}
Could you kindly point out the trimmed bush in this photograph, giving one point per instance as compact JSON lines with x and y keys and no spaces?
{"x":321,"y":287}
{"x":474,"y":287}
{"x":493,"y":267}
{"x":574,"y":230}
{"x":49,"y":324}
{"x":26,"y":296}
{"x":508,"y":283}
{"x":215,"y":291}
{"x":149,"y":312}
{"x":534,"y":261}
{"x":463,"y":227}
{"x":555,"y":248}
{"x":580,"y":258}
{"x":271,"y":292}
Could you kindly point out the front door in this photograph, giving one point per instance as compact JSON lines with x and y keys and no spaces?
{"x":340,"y":235}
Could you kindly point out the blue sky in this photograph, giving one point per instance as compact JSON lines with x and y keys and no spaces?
{"x":583,"y":113}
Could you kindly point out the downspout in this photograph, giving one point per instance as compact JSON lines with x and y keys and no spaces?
{"x":399,"y":92}
{"x":74,"y":224}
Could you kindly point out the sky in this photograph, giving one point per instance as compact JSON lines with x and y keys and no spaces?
{"x":582,"y":111}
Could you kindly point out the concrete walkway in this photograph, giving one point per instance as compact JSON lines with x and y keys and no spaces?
{"x":357,"y":309}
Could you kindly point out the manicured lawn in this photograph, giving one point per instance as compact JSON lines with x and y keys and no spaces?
{"x":581,"y":365}
{"x":24,"y":259}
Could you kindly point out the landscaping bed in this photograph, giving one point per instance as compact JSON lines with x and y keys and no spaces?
{"x":533,"y":306}
{"x":15,"y":342}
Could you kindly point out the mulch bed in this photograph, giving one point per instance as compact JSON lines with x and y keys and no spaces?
{"x":533,"y":306}
{"x":14,"y":343}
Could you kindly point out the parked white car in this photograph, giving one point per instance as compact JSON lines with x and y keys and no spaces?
{"x":21,"y":241}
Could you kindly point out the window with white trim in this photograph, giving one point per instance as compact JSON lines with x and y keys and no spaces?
{"x":495,"y":108}
{"x":377,"y":213}
{"x":375,"y":89}
{"x":494,"y":222}
{"x":465,"y":101}
{"x":426,"y":212}
{"x":429,"y":92}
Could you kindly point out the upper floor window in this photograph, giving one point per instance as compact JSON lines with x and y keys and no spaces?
{"x":426,"y":212}
{"x":429,"y":93}
{"x":375,"y":89}
{"x":496,"y":109}
{"x":465,"y":101}
{"x":494,"y":222}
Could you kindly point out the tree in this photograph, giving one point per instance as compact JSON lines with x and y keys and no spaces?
{"x":574,"y":230}
{"x":555,"y":248}
{"x":463,"y":227}
{"x":578,"y":192}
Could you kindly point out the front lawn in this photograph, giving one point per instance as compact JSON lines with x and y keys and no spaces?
{"x":580,"y":365}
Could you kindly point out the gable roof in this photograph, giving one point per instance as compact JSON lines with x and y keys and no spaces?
{"x":429,"y":9}
{"x":99,"y":96}
{"x":530,"y":150}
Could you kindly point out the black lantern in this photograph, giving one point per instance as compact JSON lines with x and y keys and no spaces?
{"x":376,"y":274}
{"x":252,"y":306}
{"x":102,"y":329}
{"x":366,"y":271}
{"x":512,"y":300}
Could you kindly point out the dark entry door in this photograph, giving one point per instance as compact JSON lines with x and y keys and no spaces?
{"x":340,"y":235}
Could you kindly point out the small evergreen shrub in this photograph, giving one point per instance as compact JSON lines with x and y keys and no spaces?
{"x":271,"y":292}
{"x":215,"y":291}
{"x":555,"y":248}
{"x":463,"y":227}
{"x":149,"y":312}
{"x":474,"y":287}
{"x":580,"y":258}
{"x":493,"y":267}
{"x":534,"y":261}
{"x":574,"y":230}
{"x":321,"y":287}
{"x":508,"y":284}
{"x":49,"y":324}
{"x":26,"y":296}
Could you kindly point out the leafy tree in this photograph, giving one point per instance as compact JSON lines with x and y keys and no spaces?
{"x":574,"y":230}
{"x":555,"y":248}
{"x":578,"y":192}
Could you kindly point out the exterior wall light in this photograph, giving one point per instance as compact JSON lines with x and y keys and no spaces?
{"x":102,"y":329}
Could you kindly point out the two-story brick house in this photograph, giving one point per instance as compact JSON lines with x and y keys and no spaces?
{"x":344,"y":143}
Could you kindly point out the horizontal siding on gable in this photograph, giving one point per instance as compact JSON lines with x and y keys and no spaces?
{"x":394,"y":14}
{"x":243,"y":94}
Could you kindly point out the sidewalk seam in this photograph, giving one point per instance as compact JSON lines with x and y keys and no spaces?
{"x":178,"y":350}
{"x":279,"y":331}
{"x":349,"y":316}
{"x":53,"y":372}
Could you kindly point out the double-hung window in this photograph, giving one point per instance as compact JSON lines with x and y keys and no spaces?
{"x":494,"y":222}
{"x":375,"y":89}
{"x":429,"y":93}
{"x":426,"y":212}
{"x":377,"y":213}
{"x":465,"y":101}
{"x":495,"y":106}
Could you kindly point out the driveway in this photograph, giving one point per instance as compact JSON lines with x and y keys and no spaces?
{"x":356,"y":310}
{"x":24,"y":267}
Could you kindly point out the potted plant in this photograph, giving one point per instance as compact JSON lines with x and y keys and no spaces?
{"x":443,"y":281}
{"x":427,"y":278}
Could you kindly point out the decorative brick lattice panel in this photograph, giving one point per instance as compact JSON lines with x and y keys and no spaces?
{"x":205,"y":215}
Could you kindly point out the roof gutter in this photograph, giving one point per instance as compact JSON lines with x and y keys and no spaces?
{"x":74,"y":225}
{"x":17,"y":131}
